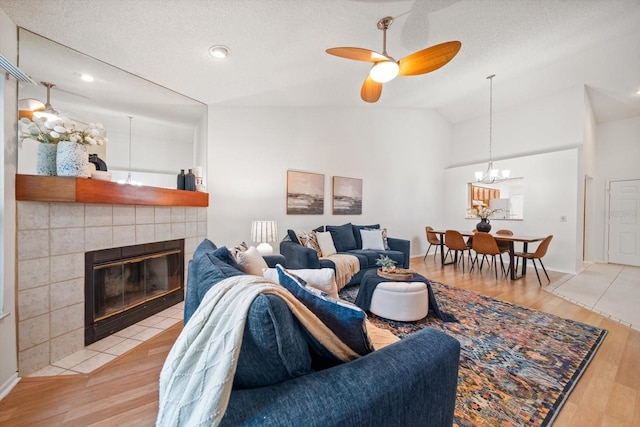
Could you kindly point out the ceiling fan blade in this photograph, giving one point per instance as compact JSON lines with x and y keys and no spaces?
{"x":371,"y":90}
{"x":429,"y":59}
{"x":357,"y":53}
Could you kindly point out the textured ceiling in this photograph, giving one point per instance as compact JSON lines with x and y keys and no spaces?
{"x":278,"y":47}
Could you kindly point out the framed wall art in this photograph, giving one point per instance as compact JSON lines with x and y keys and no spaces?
{"x":347,"y":196}
{"x":305,"y":193}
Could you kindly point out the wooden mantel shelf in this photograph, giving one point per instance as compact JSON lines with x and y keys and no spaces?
{"x":38,"y":188}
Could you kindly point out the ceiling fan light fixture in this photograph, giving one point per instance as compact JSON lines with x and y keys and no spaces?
{"x":219,"y":51}
{"x":384,"y":71}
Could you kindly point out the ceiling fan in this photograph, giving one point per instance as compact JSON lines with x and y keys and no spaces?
{"x":385,"y":68}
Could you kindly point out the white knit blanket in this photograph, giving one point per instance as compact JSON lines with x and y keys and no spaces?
{"x":196,"y":379}
{"x":347,"y":266}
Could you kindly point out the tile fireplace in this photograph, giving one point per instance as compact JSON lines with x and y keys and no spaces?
{"x":52,"y":240}
{"x":127,"y":284}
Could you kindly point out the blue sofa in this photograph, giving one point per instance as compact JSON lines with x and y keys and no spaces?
{"x":347,"y":240}
{"x":284,"y":377}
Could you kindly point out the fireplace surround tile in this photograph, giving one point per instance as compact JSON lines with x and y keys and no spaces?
{"x":66,"y":240}
{"x":51,"y":272}
{"x":124,"y":215}
{"x":33,"y":302}
{"x":33,"y":273}
{"x":162,"y":214}
{"x":64,"y":215}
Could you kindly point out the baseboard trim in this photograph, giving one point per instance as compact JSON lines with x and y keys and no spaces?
{"x":8,"y":385}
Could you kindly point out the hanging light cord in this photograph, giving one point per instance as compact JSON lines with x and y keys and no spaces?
{"x":490,"y":118}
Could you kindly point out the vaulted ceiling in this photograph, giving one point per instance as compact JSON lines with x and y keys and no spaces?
{"x":535,"y":48}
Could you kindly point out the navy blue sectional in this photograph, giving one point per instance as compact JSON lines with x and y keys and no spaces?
{"x":347,"y":240}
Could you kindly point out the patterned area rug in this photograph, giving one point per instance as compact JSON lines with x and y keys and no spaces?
{"x":517,"y":365}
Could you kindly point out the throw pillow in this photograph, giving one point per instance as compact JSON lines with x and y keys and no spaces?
{"x":372,"y":239}
{"x":274,"y":346}
{"x":346,"y":320}
{"x":385,"y":242}
{"x":343,"y":237}
{"x":325,"y":241}
{"x":309,"y":239}
{"x":323,"y":279}
{"x":356,"y":232}
{"x":251,"y":262}
{"x":224,"y":255}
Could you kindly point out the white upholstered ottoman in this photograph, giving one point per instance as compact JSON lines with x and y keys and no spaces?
{"x":402,"y":301}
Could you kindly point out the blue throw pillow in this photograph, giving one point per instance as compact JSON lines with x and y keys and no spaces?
{"x":343,"y":238}
{"x":223,"y":254}
{"x":274,"y":347}
{"x":345,"y":320}
{"x":225,"y":268}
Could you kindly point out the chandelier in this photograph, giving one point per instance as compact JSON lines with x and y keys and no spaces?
{"x":491,"y":175}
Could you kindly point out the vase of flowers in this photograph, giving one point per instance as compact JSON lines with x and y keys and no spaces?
{"x":73,"y":157}
{"x":48,"y":134}
{"x":484,"y":214}
{"x":70,"y":141}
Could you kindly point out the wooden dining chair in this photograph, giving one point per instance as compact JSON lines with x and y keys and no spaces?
{"x":432,"y":239}
{"x":484,"y":244}
{"x":454,"y":241}
{"x":540,"y":252}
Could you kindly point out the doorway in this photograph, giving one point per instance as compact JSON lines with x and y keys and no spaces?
{"x":624,"y":222}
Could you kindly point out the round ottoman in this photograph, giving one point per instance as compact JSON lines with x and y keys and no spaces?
{"x":402,"y":301}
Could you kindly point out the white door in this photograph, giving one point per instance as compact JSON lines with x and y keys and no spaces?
{"x":624,"y":222}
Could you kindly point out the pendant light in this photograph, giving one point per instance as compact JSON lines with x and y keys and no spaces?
{"x":491,"y":175}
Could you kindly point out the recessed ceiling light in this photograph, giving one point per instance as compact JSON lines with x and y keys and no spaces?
{"x":638,"y":92}
{"x":219,"y":51}
{"x":87,"y":77}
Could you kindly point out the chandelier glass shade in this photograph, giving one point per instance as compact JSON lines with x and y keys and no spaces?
{"x":491,"y":175}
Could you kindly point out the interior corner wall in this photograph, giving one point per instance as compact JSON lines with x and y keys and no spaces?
{"x":588,"y":200}
{"x":8,"y":343}
{"x":393,"y":150}
{"x":617,"y":153}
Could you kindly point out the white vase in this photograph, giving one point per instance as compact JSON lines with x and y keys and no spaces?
{"x":72,"y":159}
{"x":46,"y":159}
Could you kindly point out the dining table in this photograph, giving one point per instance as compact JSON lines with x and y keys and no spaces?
{"x":510,"y":239}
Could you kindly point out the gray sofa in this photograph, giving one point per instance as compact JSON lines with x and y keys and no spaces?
{"x":346,"y":239}
{"x":284,"y":377}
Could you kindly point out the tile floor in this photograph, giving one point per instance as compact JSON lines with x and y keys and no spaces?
{"x":101,"y":352}
{"x":611,"y":290}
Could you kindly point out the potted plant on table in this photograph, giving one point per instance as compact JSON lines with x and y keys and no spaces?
{"x":386,"y":264}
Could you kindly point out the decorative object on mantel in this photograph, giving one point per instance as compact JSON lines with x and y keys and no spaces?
{"x":190,"y":181}
{"x":181,"y":178}
{"x":71,"y":158}
{"x":492,"y":175}
{"x":46,"y":159}
{"x":484,"y":214}
{"x":200,"y":184}
{"x":264,"y":232}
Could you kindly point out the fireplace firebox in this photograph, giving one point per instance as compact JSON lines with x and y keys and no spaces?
{"x":127,"y":284}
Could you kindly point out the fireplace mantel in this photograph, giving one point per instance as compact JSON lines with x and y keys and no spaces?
{"x":36,"y":188}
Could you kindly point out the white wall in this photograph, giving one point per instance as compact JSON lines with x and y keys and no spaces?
{"x":617,"y":154}
{"x":549,"y":185}
{"x":398,"y":154}
{"x":541,"y":141}
{"x":545,"y":124}
{"x":8,"y":347}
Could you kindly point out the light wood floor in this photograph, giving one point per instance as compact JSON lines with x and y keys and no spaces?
{"x":125,"y":392}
